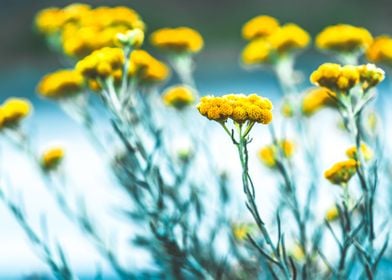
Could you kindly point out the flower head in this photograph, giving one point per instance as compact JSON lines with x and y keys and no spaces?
{"x":180,"y":39}
{"x":380,"y":51}
{"x":238,"y":107}
{"x":13,"y":110}
{"x":61,"y":84}
{"x":51,"y":158}
{"x":288,"y":38}
{"x":341,"y":172}
{"x":370,"y":75}
{"x":257,"y":52}
{"x":269,"y":155}
{"x":317,"y":98}
{"x":344,"y":38}
{"x":240,"y":231}
{"x":178,"y":97}
{"x":365,"y":150}
{"x":332,"y":214}
{"x":259,"y":27}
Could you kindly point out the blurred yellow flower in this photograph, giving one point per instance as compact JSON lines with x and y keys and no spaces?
{"x":297,"y":252}
{"x":316,"y":99}
{"x":61,"y":84}
{"x":288,"y":38}
{"x":13,"y":110}
{"x":344,"y":38}
{"x":178,"y":97}
{"x":51,"y":158}
{"x":332,"y":214}
{"x":257,"y":52}
{"x":367,"y":152}
{"x":240,"y":231}
{"x":380,"y":51}
{"x":50,"y":20}
{"x":370,"y":75}
{"x":269,"y":155}
{"x":180,"y":39}
{"x":341,"y":172}
{"x":238,"y":107}
{"x":259,"y":26}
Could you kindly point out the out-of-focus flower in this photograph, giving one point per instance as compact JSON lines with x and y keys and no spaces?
{"x":51,"y":158}
{"x":240,"y":231}
{"x":344,"y":38}
{"x":370,"y":75}
{"x":287,"y":109}
{"x":316,"y":99}
{"x":238,"y":107}
{"x":178,"y":97}
{"x":335,"y":77}
{"x":133,"y":38}
{"x":61,"y":84}
{"x":50,"y":20}
{"x":259,"y":27}
{"x":297,"y":252}
{"x":341,"y":172}
{"x":380,"y":51}
{"x":13,"y":110}
{"x":257,"y":52}
{"x":288,"y":38}
{"x":269,"y":155}
{"x":180,"y":39}
{"x":365,"y":150}
{"x":332,"y":214}
{"x":147,"y":68}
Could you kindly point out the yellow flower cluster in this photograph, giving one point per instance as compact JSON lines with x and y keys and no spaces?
{"x":238,"y":107}
{"x":269,"y":155}
{"x":51,"y":158}
{"x":272,"y":42}
{"x":12,"y":111}
{"x":180,"y":39}
{"x":341,"y":172}
{"x":316,"y":99}
{"x":61,"y":84}
{"x":178,"y":97}
{"x":380,"y":51}
{"x":147,"y":68}
{"x":259,"y":26}
{"x":370,"y":75}
{"x":344,"y":38}
{"x":83,"y":29}
{"x":332,"y":214}
{"x":365,"y":150}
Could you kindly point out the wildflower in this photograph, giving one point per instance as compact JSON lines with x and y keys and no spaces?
{"x":287,"y":109}
{"x":341,"y":172}
{"x":332,"y":214}
{"x":257,"y":52}
{"x":297,"y":252}
{"x":269,"y":154}
{"x":147,"y":68}
{"x":344,"y":38}
{"x":51,"y":158}
{"x":178,"y":97}
{"x":13,"y":110}
{"x":335,"y":77}
{"x":49,"y":21}
{"x":180,"y":39}
{"x":380,"y":51}
{"x":61,"y":84}
{"x":317,"y":98}
{"x":370,"y":75}
{"x":288,"y":38}
{"x":238,"y":107}
{"x":240,"y":231}
{"x":259,"y":27}
{"x":365,"y":151}
{"x":133,"y":38}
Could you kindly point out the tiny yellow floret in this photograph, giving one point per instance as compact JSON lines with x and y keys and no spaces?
{"x":341,"y":172}
{"x":178,"y":97}
{"x":259,"y":27}
{"x":51,"y":158}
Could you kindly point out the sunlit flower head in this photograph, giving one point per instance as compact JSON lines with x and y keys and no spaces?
{"x":257,"y":52}
{"x":288,"y":38}
{"x":380,"y":51}
{"x":180,"y":39}
{"x":50,"y":20}
{"x":370,"y":75}
{"x":366,"y":152}
{"x":51,"y":158}
{"x":259,"y":26}
{"x":13,"y":110}
{"x":237,"y":107}
{"x":316,"y":99}
{"x":341,"y":172}
{"x":178,"y":97}
{"x":61,"y":84}
{"x":332,"y":214}
{"x":344,"y":38}
{"x":269,"y":155}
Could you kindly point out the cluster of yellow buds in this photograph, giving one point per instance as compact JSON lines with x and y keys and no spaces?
{"x":61,"y":84}
{"x":12,"y":111}
{"x":341,"y":172}
{"x":238,"y":107}
{"x":178,"y":97}
{"x":51,"y":158}
{"x":82,"y":29}
{"x":370,"y":75}
{"x":179,"y":40}
{"x":316,"y":99}
{"x":269,"y":155}
{"x":365,"y":151}
{"x":380,"y":51}
{"x":344,"y":38}
{"x":269,"y":40}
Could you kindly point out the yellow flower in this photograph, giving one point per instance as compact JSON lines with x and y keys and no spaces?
{"x":178,"y":97}
{"x":340,"y":173}
{"x":133,"y":38}
{"x":238,"y":107}
{"x":51,"y":158}
{"x":370,"y":75}
{"x":317,"y":98}
{"x":344,"y":38}
{"x":380,"y":51}
{"x":180,"y":39}
{"x":240,"y":231}
{"x":335,"y":77}
{"x":61,"y":84}
{"x":365,"y":150}
{"x":50,"y":20}
{"x":288,"y":38}
{"x":257,"y":52}
{"x":260,"y":26}
{"x":297,"y":252}
{"x":13,"y":110}
{"x":269,"y":155}
{"x":332,"y":214}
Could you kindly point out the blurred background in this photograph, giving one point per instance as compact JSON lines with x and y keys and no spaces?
{"x":25,"y":58}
